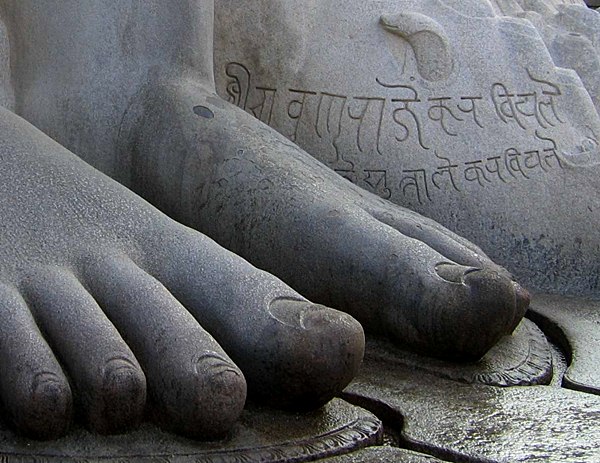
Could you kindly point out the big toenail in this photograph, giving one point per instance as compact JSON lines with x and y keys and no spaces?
{"x":204,"y":112}
{"x":290,"y":312}
{"x":454,"y":273}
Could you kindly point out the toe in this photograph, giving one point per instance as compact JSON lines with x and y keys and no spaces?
{"x":482,"y":306}
{"x":110,"y":387}
{"x":437,"y":237}
{"x":310,"y":354}
{"x":119,"y":394}
{"x":293,"y":353}
{"x":193,"y":386}
{"x":471,"y":304}
{"x":43,"y":411}
{"x":217,"y":390}
{"x":34,"y":391}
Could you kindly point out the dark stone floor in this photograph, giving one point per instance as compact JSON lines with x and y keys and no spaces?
{"x":534,"y":398}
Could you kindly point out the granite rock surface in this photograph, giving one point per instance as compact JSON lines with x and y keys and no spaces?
{"x":453,"y":109}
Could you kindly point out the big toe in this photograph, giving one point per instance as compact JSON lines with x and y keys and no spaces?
{"x":310,"y":353}
{"x":481,"y":306}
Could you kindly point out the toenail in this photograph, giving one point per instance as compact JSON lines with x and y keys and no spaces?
{"x":454,"y":273}
{"x":213,"y":364}
{"x":204,"y":112}
{"x":47,"y":387}
{"x":116,"y":364}
{"x":291,"y":312}
{"x":122,"y":374}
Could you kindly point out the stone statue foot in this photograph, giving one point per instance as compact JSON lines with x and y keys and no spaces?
{"x":93,"y":285}
{"x":216,"y":168}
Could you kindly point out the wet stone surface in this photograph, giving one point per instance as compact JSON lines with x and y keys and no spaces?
{"x":479,"y":423}
{"x":574,"y":324}
{"x":383,"y":454}
{"x":261,"y":435}
{"x":525,"y":358}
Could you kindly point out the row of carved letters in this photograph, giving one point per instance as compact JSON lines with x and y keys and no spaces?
{"x":535,"y":108}
{"x":420,"y":183}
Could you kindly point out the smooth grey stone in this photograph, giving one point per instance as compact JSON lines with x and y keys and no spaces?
{"x":150,"y":118}
{"x":571,"y":32}
{"x":459,"y":422}
{"x":469,"y":123}
{"x":574,"y":323}
{"x":6,"y":90}
{"x":522,"y":359}
{"x":94,"y":276}
{"x":261,"y":435}
{"x":383,"y":454}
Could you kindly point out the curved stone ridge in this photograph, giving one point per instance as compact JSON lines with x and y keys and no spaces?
{"x":263,"y":436}
{"x":460,"y":422}
{"x":574,"y":324}
{"x":523,"y":359}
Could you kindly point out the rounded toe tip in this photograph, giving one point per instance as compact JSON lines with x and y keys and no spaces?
{"x":48,"y":411}
{"x":213,"y":404}
{"x":121,"y":400}
{"x":312,"y":361}
{"x":497,"y":305}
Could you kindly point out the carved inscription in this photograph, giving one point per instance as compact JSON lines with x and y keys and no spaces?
{"x":358,"y":134}
{"x":537,"y":108}
{"x":372,"y":180}
{"x":509,"y":166}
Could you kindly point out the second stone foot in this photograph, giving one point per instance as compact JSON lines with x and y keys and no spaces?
{"x":259,"y":195}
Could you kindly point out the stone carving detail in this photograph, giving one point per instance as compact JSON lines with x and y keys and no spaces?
{"x":428,"y":41}
{"x":399,"y":114}
{"x":349,"y":429}
{"x":523,"y":359}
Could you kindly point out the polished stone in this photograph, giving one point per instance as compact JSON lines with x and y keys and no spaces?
{"x":381,"y":455}
{"x":261,"y":435}
{"x":525,"y":358}
{"x":460,"y":422}
{"x":574,"y":324}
